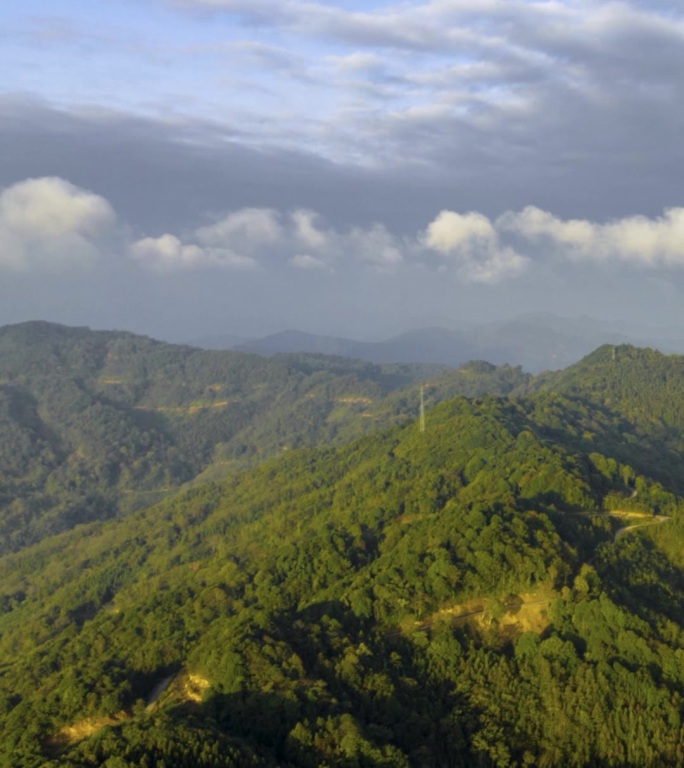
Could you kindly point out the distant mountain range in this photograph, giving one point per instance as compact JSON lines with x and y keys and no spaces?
{"x":537,"y":342}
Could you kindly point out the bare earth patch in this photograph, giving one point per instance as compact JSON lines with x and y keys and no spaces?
{"x":186,"y":686}
{"x":71,"y":734}
{"x":192,"y":687}
{"x":512,"y":615}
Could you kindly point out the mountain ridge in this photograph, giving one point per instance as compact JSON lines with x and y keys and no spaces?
{"x":93,"y":423}
{"x":309,"y":599}
{"x":536,"y":341}
{"x":405,"y":598}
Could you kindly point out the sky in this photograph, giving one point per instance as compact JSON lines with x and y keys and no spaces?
{"x":187,"y":168}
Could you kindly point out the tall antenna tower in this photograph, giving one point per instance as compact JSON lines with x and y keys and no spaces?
{"x":422,"y":408}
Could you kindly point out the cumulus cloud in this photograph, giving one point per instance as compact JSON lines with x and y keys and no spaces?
{"x":169,"y":253}
{"x":636,"y":239}
{"x":533,"y":223}
{"x":375,"y":246}
{"x":166,"y":250}
{"x":493,"y":266}
{"x":306,"y":230}
{"x":234,"y":241}
{"x":451,"y":232}
{"x":52,"y":207}
{"x":214,"y":245}
{"x":251,"y":237}
{"x":472,"y":241}
{"x":248,"y":228}
{"x":488,"y":251}
{"x":474,"y":247}
{"x":49,"y":224}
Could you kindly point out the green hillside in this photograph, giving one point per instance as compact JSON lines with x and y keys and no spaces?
{"x":633,"y":407}
{"x":463,"y":596}
{"x":96,"y":424}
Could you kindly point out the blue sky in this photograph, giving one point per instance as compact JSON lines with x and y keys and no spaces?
{"x":352,"y":168}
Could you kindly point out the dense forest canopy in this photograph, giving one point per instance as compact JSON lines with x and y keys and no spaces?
{"x":505,"y":588}
{"x":95,"y":424}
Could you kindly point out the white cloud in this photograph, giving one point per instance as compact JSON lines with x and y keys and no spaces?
{"x":534,"y":223}
{"x":493,"y":266}
{"x":235,"y":241}
{"x":166,"y":251}
{"x":49,"y":224}
{"x":306,"y":261}
{"x":306,"y":231}
{"x":636,"y":239}
{"x":52,"y":207}
{"x":251,"y":237}
{"x":472,"y":243}
{"x":451,"y":232}
{"x":483,"y":251}
{"x":246,"y":229}
{"x":475,"y":248}
{"x":169,"y":253}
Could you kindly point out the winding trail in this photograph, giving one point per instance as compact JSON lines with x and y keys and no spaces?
{"x":627,"y":528}
{"x":622,"y":514}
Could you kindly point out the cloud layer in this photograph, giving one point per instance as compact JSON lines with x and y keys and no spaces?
{"x":335,"y":161}
{"x":636,"y":239}
{"x":509,"y":78}
{"x":49,"y":224}
{"x":431,"y":82}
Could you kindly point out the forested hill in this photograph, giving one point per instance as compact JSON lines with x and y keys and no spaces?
{"x":95,"y":424}
{"x":461,"y":596}
{"x":634,"y":406}
{"x":643,"y":383}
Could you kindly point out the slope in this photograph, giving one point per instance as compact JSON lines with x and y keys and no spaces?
{"x":631,"y":406}
{"x":301,"y":611}
{"x":95,"y":424}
